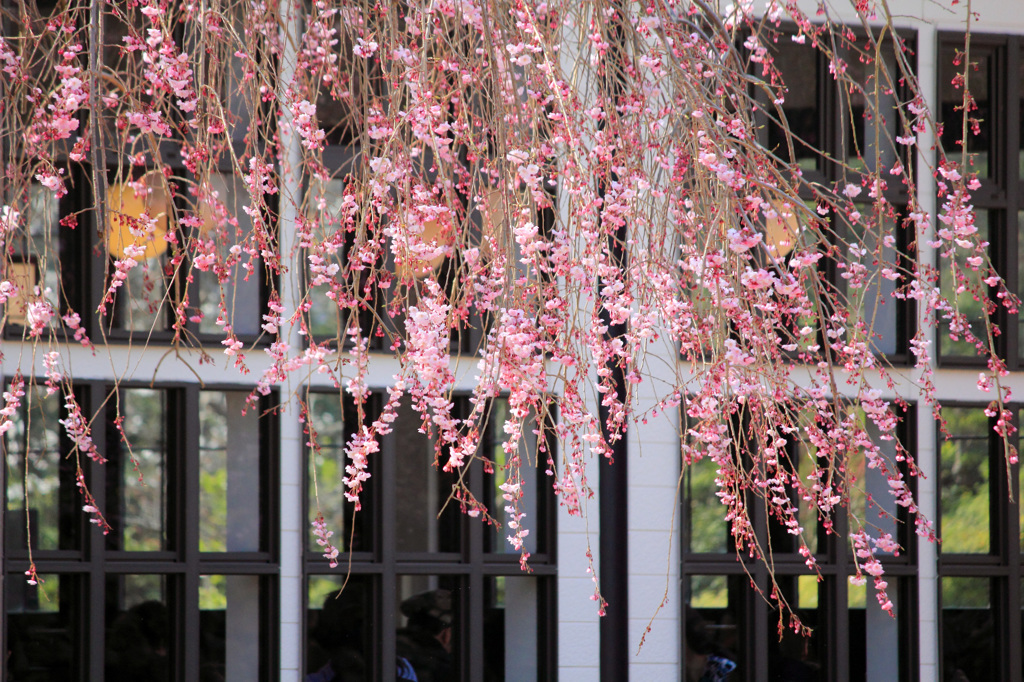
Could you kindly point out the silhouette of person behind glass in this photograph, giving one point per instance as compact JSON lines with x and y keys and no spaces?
{"x":426,"y":641}
{"x":137,"y":644}
{"x":705,"y":660}
{"x":339,"y":633}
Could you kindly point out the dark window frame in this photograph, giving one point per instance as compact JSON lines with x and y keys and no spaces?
{"x":182,"y":564}
{"x":835,"y":564}
{"x":470,"y":566}
{"x":1001,"y":194}
{"x":832,"y":126}
{"x":1003,"y":564}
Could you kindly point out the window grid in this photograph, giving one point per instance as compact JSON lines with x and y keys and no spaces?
{"x":471,"y":570}
{"x":1002,"y":565}
{"x":95,"y":569}
{"x":999,"y":90}
{"x":836,"y":610}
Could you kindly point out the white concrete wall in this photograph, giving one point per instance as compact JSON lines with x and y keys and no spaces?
{"x":654,"y":537}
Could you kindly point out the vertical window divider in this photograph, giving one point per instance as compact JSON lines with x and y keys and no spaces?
{"x":472,"y":633}
{"x":184,"y":412}
{"x":757,"y":612}
{"x":385,"y":531}
{"x":837,"y":648}
{"x":93,"y":541}
{"x":270,"y":464}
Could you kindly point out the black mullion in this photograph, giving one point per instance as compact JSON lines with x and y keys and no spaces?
{"x":999,"y":494}
{"x":836,"y":649}
{"x":472,"y":629}
{"x":217,"y":566}
{"x":384,"y":527}
{"x":837,"y":601}
{"x":185,"y":455}
{"x":1012,"y":620}
{"x":757,"y":633}
{"x":270,"y":647}
{"x":909,"y":631}
{"x":94,"y":542}
{"x":270,"y":467}
{"x":906,"y":309}
{"x":547,"y":629}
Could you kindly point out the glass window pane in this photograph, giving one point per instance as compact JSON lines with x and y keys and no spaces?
{"x":524,"y":473}
{"x":425,"y":491}
{"x":140,"y":627}
{"x":980,"y":137}
{"x":874,"y":638}
{"x":955,"y":273}
{"x":140,"y":303}
{"x":429,"y":626}
{"x":334,"y":225}
{"x":1020,"y":277}
{"x":35,"y":262}
{"x":869,"y":109}
{"x":511,"y":637}
{"x":968,"y":634}
{"x":229,"y":628}
{"x":332,"y":422}
{"x":138,"y":498}
{"x":36,"y":468}
{"x":801,"y":460}
{"x":43,"y":628}
{"x":326,"y":210}
{"x":871,"y":499}
{"x":229,"y":476}
{"x":964,"y":482}
{"x":714,"y":627}
{"x":871,"y":293}
{"x":796,"y":656}
{"x":703,"y":527}
{"x":806,"y":463}
{"x":798,"y":65}
{"x":340,"y":629}
{"x":225,"y":291}
{"x":1020,"y":91}
{"x":1020,"y":486}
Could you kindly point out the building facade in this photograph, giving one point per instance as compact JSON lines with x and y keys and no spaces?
{"x":208,"y":565}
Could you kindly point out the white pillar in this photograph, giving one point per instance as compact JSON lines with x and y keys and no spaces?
{"x":927,"y":448}
{"x":292,"y":441}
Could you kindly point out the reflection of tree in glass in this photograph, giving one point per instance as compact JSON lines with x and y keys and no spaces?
{"x":213,"y":473}
{"x":35,"y":472}
{"x":706,"y":531}
{"x":329,"y":464}
{"x":213,"y":595}
{"x":965,"y":481}
{"x":968,"y":303}
{"x":142,"y":480}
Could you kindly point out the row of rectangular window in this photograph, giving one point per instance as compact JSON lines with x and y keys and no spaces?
{"x":151,"y":627}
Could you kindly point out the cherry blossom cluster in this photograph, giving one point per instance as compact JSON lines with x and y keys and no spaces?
{"x":500,"y":186}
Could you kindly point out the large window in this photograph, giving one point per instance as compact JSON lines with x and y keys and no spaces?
{"x":995,"y":151}
{"x":981,"y":558}
{"x":183,"y":585}
{"x":431,"y":589}
{"x":727,"y":624}
{"x":840,"y":132}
